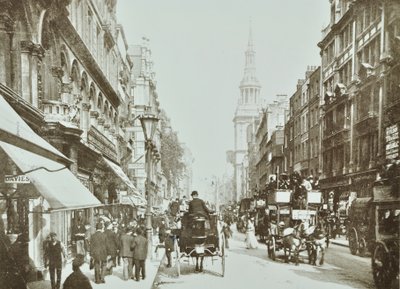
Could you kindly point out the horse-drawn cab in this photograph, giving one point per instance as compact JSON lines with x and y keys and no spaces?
{"x":199,"y":237}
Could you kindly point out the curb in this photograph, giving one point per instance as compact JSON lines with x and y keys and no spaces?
{"x":339,"y":243}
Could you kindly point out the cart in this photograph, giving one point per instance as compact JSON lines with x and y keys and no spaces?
{"x":385,"y":256}
{"x":199,"y":238}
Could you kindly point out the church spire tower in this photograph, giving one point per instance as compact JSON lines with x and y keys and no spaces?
{"x":247,"y":111}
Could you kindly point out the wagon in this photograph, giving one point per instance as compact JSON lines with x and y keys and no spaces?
{"x":199,"y":238}
{"x":385,"y":256}
{"x":360,"y":227}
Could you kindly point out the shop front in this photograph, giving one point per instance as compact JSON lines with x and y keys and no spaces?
{"x":38,"y":192}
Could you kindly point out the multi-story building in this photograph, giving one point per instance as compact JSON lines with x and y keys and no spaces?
{"x":301,"y":144}
{"x":358,"y":64}
{"x":65,"y":76}
{"x":145,"y":102}
{"x":248,"y":109}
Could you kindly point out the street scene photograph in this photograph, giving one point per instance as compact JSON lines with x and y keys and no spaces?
{"x":172,"y":144}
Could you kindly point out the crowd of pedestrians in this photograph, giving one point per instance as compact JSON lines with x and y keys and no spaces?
{"x":112,"y":244}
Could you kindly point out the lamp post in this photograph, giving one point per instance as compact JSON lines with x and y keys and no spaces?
{"x":149,"y":125}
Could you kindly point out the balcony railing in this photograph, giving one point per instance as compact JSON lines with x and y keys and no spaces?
{"x":56,"y":111}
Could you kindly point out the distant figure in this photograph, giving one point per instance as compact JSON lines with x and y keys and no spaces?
{"x":54,"y":253}
{"x":169,"y":246}
{"x":197,"y":206}
{"x":251,"y":240}
{"x":77,"y":279}
{"x":79,"y":237}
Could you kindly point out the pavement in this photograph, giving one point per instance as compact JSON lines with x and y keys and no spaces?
{"x":340,"y":241}
{"x":112,"y":281}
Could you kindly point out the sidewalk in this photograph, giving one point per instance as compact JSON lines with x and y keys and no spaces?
{"x":340,"y":241}
{"x":112,"y":281}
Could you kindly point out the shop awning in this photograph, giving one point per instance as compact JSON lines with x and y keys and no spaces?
{"x":120,"y":173}
{"x":14,"y":130}
{"x":56,"y":183}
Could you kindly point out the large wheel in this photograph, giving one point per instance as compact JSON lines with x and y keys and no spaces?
{"x":380,"y":265}
{"x":271,"y":248}
{"x":177,"y":257}
{"x":353,"y":241}
{"x":362,"y":247}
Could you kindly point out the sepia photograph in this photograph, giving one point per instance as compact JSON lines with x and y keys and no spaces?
{"x":186,"y":144}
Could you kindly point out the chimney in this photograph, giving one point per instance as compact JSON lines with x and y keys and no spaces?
{"x":310,"y":70}
{"x":300,"y":82}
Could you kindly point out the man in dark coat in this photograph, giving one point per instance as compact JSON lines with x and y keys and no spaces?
{"x":98,"y":251}
{"x":169,"y":246}
{"x":139,"y":248}
{"x":126,"y":253}
{"x":112,"y":246}
{"x":54,"y":252}
{"x":77,"y":279}
{"x":197,"y":206}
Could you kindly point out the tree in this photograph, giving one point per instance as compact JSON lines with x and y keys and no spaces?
{"x":172,"y":153}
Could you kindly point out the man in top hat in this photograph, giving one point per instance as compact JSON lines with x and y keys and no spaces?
{"x":77,"y":279}
{"x":126,"y":243}
{"x":197,"y":206}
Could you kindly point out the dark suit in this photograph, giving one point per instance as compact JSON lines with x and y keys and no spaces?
{"x":127,"y":255}
{"x":98,"y":251}
{"x":197,"y":206}
{"x":139,"y":255}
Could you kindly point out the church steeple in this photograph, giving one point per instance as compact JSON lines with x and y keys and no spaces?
{"x":249,"y":86}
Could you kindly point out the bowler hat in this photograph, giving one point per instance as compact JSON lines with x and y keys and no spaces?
{"x":78,"y":261}
{"x":194,"y":193}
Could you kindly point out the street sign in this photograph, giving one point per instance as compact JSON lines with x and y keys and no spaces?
{"x":19,"y":179}
{"x":302,"y":214}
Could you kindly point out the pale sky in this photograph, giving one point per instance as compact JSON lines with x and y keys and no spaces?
{"x":198,"y":52}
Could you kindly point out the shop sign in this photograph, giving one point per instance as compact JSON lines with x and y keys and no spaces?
{"x":392,"y":141}
{"x":19,"y":179}
{"x":302,"y":214}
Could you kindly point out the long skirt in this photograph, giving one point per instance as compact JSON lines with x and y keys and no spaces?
{"x":251,"y":240}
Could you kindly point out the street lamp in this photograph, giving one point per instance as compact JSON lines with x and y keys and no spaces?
{"x":149,"y":126}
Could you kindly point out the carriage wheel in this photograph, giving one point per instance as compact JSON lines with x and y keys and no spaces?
{"x":353,"y":241}
{"x":362,"y":247}
{"x":380,"y":263}
{"x":271,"y":248}
{"x":223,"y":257}
{"x":177,"y":257}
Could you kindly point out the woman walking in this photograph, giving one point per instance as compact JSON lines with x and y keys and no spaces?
{"x":251,"y":240}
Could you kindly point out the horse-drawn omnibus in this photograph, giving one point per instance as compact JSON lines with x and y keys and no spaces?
{"x":247,"y":206}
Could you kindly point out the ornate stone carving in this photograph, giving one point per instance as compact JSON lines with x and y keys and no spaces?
{"x":85,"y":106}
{"x":57,"y":71}
{"x":94,"y":114}
{"x":26,"y":46}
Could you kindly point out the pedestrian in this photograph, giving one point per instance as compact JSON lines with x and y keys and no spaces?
{"x":126,"y":253}
{"x":87,"y":241}
{"x":162,"y":231}
{"x":227,"y":231}
{"x":77,"y":279}
{"x":140,"y":254}
{"x":79,"y":237}
{"x":54,"y":254}
{"x":112,"y":247}
{"x":98,"y":251}
{"x":251,"y":240}
{"x":169,"y":246}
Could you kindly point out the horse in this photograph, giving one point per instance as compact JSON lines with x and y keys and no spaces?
{"x":316,"y":244}
{"x":292,"y":241}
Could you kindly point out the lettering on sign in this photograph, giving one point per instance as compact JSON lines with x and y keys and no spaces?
{"x":392,"y":141}
{"x":20,"y":179}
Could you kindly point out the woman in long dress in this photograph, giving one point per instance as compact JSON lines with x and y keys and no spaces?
{"x":251,"y":240}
